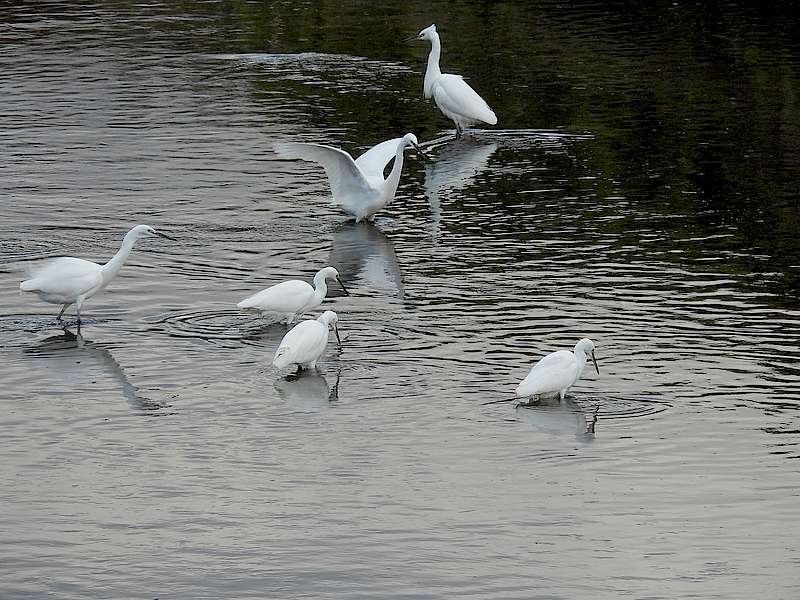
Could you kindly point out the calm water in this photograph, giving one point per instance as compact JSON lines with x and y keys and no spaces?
{"x":640,"y":188}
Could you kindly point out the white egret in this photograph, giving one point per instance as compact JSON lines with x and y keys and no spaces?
{"x":554,"y":374}
{"x":293,"y":298}
{"x":358,"y":186}
{"x":454,"y":96}
{"x":305,"y":343}
{"x":68,"y":280}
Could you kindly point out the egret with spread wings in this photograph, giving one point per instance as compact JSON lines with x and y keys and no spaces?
{"x":358,"y":186}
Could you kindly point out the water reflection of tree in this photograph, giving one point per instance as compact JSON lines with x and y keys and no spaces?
{"x":692,"y":108}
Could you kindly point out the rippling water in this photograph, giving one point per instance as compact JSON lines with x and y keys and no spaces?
{"x":640,"y":189}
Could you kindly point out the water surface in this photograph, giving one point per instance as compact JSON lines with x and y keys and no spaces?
{"x":640,"y":188}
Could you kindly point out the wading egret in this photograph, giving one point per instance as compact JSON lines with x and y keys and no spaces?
{"x":293,"y":298}
{"x":358,"y":186}
{"x":454,"y":97}
{"x":554,"y":374}
{"x":69,"y":280}
{"x":305,"y":343}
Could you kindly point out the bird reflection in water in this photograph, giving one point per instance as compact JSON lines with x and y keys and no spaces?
{"x":307,"y":389}
{"x":565,"y":417}
{"x":67,"y":349}
{"x":455,"y":167}
{"x":361,"y":250}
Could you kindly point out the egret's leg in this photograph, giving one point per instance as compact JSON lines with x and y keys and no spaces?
{"x":78,"y":307}
{"x":562,"y":393}
{"x":458,"y":131}
{"x":61,"y":314}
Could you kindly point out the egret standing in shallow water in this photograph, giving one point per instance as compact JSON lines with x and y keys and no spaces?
{"x":305,"y":343}
{"x":358,"y":186}
{"x":293,"y":298}
{"x":553,"y":375}
{"x":69,"y":280}
{"x":454,"y":96}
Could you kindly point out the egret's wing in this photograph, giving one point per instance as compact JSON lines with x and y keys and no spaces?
{"x":285,"y":297}
{"x":551,"y":374}
{"x":304,"y":343}
{"x":374,"y":161}
{"x":64,"y":276}
{"x":345,"y":177}
{"x":456,"y":96}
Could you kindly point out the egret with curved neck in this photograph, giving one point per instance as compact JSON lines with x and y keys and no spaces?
{"x":454,"y":96}
{"x":292,"y":299}
{"x":305,"y":343}
{"x":358,"y":186}
{"x":68,"y":280}
{"x":554,"y":374}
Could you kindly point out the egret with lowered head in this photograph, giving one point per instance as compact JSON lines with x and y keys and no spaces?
{"x":554,"y":374}
{"x":454,"y":96}
{"x":305,"y":343}
{"x":358,"y":186}
{"x":68,"y":280}
{"x":292,"y":299}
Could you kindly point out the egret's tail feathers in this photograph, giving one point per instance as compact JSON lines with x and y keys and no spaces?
{"x":489,"y":117}
{"x":246,"y":303}
{"x":251,"y":302}
{"x":29,"y":286}
{"x":281,"y":360}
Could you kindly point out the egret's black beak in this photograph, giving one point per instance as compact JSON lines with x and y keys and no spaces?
{"x":344,"y":289}
{"x":413,"y":38}
{"x":594,"y":360}
{"x":164,"y":235}
{"x":336,"y":332}
{"x":423,"y":155}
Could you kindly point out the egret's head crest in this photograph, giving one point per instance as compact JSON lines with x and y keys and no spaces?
{"x":427,"y":33}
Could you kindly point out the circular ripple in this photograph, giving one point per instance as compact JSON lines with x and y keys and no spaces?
{"x":622,"y":407}
{"x":216,"y":325}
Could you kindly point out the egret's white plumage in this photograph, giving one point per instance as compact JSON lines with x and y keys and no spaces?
{"x":305,"y":343}
{"x":554,"y":374}
{"x":454,"y":96}
{"x":292,"y":299}
{"x":358,"y":186}
{"x":68,"y":280}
